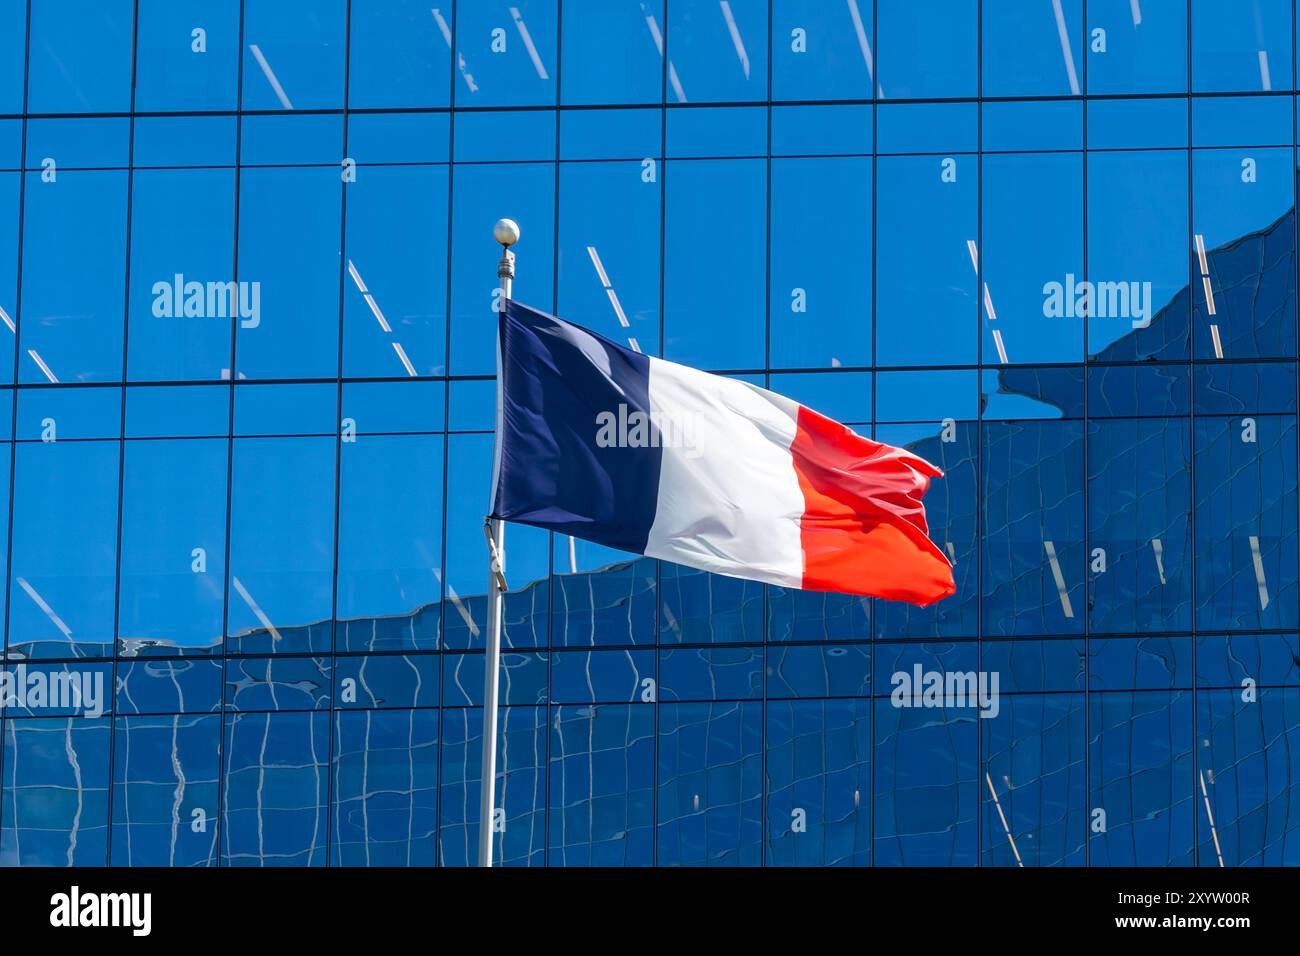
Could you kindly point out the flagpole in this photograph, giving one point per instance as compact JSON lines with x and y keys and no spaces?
{"x":505,"y":232}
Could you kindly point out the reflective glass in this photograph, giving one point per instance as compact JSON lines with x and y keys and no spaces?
{"x":80,"y":56}
{"x":249,"y":293}
{"x":294,"y":54}
{"x":399,"y":54}
{"x":1140,"y":777}
{"x":274,"y":788}
{"x":1032,"y":240}
{"x":288,"y":273}
{"x":281,"y":544}
{"x":1137,"y":251}
{"x":717,"y":52}
{"x":173,"y":546}
{"x":1243,"y":237}
{"x":928,"y":49}
{"x":74,"y":223}
{"x":505,"y":52}
{"x":64,"y":549}
{"x":385,"y":781}
{"x":710,"y":784}
{"x":394,"y":304}
{"x":601,"y":786}
{"x":822,"y":50}
{"x":1241,"y":46}
{"x":165,"y":777}
{"x":702,"y":326}
{"x":926,"y":790}
{"x":1033,"y":801}
{"x":821,"y":310}
{"x":926,"y":260}
{"x":182,"y":267}
{"x":602,"y":279}
{"x":13,"y":44}
{"x":187,"y":54}
{"x":1037,"y":51}
{"x":613,"y":51}
{"x":1136,"y":47}
{"x":54,"y":798}
{"x":390,"y":536}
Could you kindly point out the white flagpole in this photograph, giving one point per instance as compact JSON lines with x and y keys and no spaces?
{"x":505,"y":232}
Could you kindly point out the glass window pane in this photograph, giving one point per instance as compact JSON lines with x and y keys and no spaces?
{"x":187,"y":55}
{"x":13,"y":58}
{"x":1244,"y":747}
{"x":10,"y":187}
{"x":926,"y":279}
{"x":1142,"y":47}
{"x":64,"y":561}
{"x":1243,"y":222}
{"x":72,"y":331}
{"x":710,"y":784}
{"x":822,"y":49}
{"x":294,"y":54}
{"x":602,"y":786}
{"x":951,"y":507}
{"x":717,"y":50}
{"x":399,"y":54}
{"x":181,"y":316}
{"x":612,"y":51}
{"x":821,"y":304}
{"x":173,"y":546}
{"x":54,"y":797}
{"x":165,"y":769}
{"x":385,"y":788}
{"x":926,"y":787}
{"x":609,"y":276}
{"x":1137,"y":243}
{"x":1033,"y":811}
{"x":1036,"y":52}
{"x":282,"y":545}
{"x":390,"y":536}
{"x":1140,"y":774}
{"x":1139,"y":496}
{"x":928,"y":49}
{"x":288,"y":272}
{"x":1033,"y":527}
{"x":395,"y":295}
{"x":713,"y":290}
{"x":80,"y":56}
{"x":1245,"y":522}
{"x":1032,"y":244}
{"x":274,"y":789}
{"x":818,"y":770}
{"x":1241,"y":46}
{"x":506,"y":51}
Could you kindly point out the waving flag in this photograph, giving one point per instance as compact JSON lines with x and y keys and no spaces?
{"x":606,"y":444}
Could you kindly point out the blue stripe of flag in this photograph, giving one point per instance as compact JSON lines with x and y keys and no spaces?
{"x":557,"y":379}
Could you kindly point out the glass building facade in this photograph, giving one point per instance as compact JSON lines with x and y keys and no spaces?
{"x":246,"y":391}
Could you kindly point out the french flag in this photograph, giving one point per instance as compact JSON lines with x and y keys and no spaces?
{"x":606,"y":444}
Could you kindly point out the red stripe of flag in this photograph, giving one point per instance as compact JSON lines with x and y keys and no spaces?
{"x":863,"y":529}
